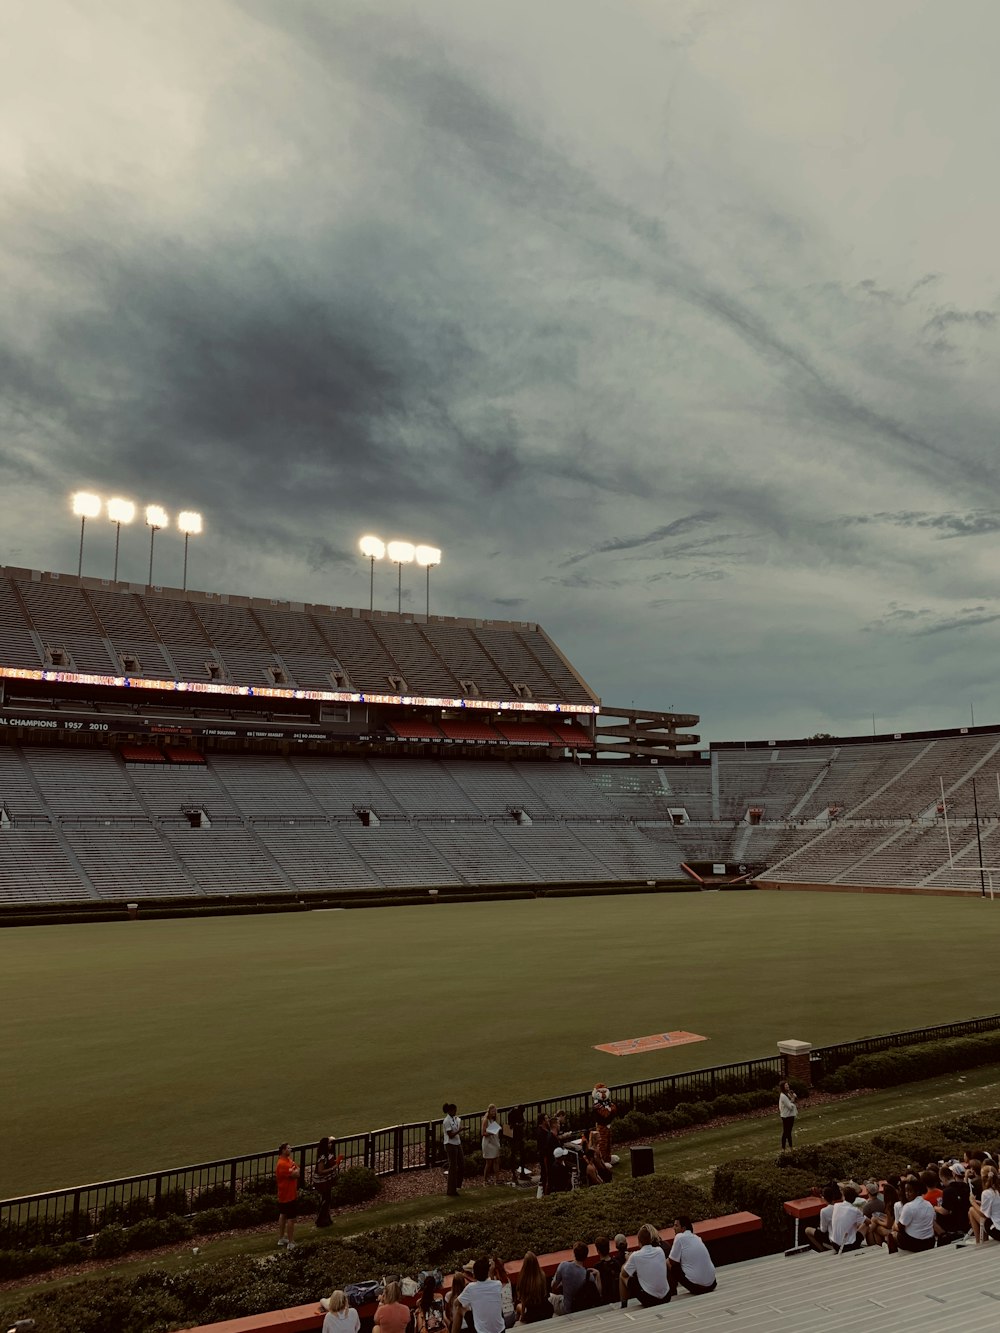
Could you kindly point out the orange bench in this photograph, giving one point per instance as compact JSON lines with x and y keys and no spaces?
{"x":309,"y":1318}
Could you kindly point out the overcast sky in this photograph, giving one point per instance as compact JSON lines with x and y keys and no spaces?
{"x":675,"y":324}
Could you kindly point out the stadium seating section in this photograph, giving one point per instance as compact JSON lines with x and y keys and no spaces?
{"x":121,"y":629}
{"x":91,"y":823}
{"x":861,"y":814}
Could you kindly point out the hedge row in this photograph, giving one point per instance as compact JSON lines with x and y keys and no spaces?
{"x":909,"y":1064}
{"x":230,"y":1288}
{"x":356,"y":1185}
{"x":762,"y":1185}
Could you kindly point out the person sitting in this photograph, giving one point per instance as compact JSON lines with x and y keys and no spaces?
{"x":533,"y":1304}
{"x":953,"y":1209}
{"x":690,"y":1264}
{"x":340,"y":1315}
{"x":818,"y":1237}
{"x":430,"y":1314}
{"x":392,"y":1316}
{"x":595,"y":1171}
{"x":989,"y":1203}
{"x":880,"y":1224}
{"x":915,"y":1228}
{"x":572,"y":1279}
{"x":607,"y":1269}
{"x":644,"y":1274}
{"x":482,"y":1297}
{"x":846,"y":1222}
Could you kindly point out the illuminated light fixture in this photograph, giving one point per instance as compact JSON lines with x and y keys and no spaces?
{"x":372,"y":548}
{"x":400,"y":553}
{"x":190,"y":524}
{"x":119,"y":511}
{"x":85,"y":505}
{"x":156,"y":518}
{"x":428,"y":556}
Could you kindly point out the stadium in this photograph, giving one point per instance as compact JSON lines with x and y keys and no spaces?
{"x":194,"y":785}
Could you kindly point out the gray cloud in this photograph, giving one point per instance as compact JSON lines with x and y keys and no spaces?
{"x":540,"y":285}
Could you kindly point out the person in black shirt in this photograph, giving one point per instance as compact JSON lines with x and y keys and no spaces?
{"x":953,"y":1207}
{"x":515,"y":1119}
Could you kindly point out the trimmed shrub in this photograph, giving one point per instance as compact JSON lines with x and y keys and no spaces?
{"x":212,"y":1196}
{"x":909,"y":1064}
{"x":231,"y":1288}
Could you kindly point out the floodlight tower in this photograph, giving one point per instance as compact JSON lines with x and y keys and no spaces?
{"x":190,"y":524}
{"x":372,"y":548}
{"x":429,"y":557}
{"x":85,"y":505}
{"x":400,"y":553}
{"x":119,"y":511}
{"x":156,"y":518}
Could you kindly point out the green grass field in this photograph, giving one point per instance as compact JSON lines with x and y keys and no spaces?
{"x":132,"y":1046}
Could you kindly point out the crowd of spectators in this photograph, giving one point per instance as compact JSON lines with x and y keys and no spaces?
{"x":482,"y":1298}
{"x":948,"y":1202}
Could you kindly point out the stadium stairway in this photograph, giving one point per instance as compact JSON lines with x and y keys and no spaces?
{"x":944,"y":1289}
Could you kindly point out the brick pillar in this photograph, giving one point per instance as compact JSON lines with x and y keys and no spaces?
{"x":795,"y":1060}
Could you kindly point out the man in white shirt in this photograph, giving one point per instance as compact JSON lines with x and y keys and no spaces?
{"x":451,"y":1130}
{"x":689,"y":1263}
{"x":484,"y":1298}
{"x":915,"y":1228}
{"x":846,"y":1222}
{"x":644,"y":1274}
{"x":819,"y":1236}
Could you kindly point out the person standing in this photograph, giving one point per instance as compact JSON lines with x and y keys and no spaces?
{"x":788,"y":1110}
{"x":324,"y":1173}
{"x":515,"y":1122}
{"x":689,"y":1263}
{"x":451,"y":1129}
{"x":287,"y":1175}
{"x":490,"y":1130}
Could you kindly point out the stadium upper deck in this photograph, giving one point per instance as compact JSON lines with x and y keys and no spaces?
{"x":61,"y":628}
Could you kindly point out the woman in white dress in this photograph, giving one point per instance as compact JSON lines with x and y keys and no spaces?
{"x":491,"y":1146}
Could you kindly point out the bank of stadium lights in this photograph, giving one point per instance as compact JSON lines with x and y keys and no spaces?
{"x":85,"y":505}
{"x":119,"y":511}
{"x":190,"y":524}
{"x":400,"y":553}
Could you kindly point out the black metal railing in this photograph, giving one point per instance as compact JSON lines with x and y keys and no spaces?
{"x":68,"y":1214}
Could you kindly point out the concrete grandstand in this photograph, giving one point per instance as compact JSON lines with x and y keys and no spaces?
{"x":163,"y":744}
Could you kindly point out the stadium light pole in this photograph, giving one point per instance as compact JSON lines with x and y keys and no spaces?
{"x":190,"y":524}
{"x":400,"y":553}
{"x":85,"y":505}
{"x":119,"y":511}
{"x":429,"y":557}
{"x":156,"y":518}
{"x":372,"y":548}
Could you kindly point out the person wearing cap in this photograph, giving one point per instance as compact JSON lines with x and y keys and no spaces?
{"x":689,"y":1264}
{"x":286,"y":1174}
{"x":644,"y":1275}
{"x":324,"y":1174}
{"x":341,"y":1317}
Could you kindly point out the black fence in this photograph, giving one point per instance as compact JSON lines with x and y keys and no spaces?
{"x":69,"y":1214}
